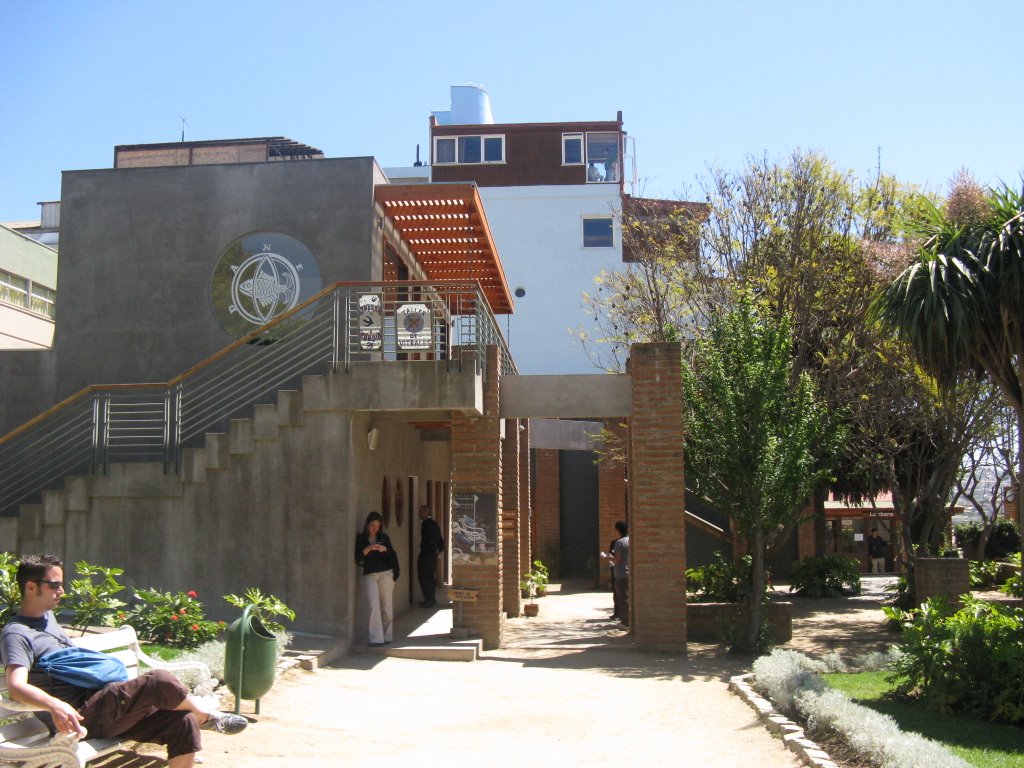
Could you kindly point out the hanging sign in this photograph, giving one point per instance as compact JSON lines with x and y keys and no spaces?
{"x":370,"y":325}
{"x":413,"y":321}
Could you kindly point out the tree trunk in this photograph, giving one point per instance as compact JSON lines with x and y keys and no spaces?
{"x":820,"y":521}
{"x":757,"y":578}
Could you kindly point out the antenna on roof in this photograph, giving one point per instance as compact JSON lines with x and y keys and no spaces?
{"x":417,"y":164}
{"x":183,"y":124}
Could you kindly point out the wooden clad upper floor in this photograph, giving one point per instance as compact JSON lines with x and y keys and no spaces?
{"x":528,"y":154}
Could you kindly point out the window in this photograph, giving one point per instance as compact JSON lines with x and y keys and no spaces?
{"x":444,"y":151}
{"x":572,"y":149}
{"x":469,"y":150}
{"x":604,"y":160}
{"x":597,"y":232}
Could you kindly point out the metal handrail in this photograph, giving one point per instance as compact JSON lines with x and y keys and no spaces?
{"x":103,"y":424}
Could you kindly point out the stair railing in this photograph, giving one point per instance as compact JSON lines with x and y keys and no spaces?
{"x":344,"y":323}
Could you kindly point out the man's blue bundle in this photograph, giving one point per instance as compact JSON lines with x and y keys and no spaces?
{"x":83,"y":667}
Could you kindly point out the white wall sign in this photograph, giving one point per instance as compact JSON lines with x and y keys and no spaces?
{"x":414,"y":327}
{"x":370,"y":324}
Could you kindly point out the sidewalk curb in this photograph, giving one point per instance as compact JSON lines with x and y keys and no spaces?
{"x":792,"y":735}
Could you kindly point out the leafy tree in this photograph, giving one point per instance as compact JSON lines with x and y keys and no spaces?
{"x":755,"y":434}
{"x":808,"y":238}
{"x":960,"y":305}
{"x":664,"y":291}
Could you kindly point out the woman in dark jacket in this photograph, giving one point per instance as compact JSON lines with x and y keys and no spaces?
{"x":380,"y":572}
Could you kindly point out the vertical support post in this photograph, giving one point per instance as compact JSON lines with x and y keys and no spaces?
{"x":477,"y":471}
{"x":657,"y":499}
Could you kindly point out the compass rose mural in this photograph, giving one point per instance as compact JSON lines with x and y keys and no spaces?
{"x":259,"y":277}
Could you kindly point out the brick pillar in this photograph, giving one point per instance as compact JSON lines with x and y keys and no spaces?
{"x":657,"y":491}
{"x":525,"y":505}
{"x":510,"y":525}
{"x":941,"y":576}
{"x":611,"y":498}
{"x":476,"y":468}
{"x":547,"y":524}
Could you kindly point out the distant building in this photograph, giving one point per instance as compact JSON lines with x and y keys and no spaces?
{"x":28,"y":292}
{"x":554,"y":195}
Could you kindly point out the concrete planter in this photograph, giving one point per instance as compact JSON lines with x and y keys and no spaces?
{"x":712,"y":622}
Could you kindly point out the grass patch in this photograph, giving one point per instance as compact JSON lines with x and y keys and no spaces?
{"x":162,"y":652}
{"x":979,"y":742}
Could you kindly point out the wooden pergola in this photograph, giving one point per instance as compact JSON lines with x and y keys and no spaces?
{"x":446,"y":228}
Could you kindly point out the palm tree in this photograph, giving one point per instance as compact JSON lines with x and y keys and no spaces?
{"x":960,"y":306}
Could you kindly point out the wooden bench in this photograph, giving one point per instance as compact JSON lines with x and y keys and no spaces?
{"x":24,"y":739}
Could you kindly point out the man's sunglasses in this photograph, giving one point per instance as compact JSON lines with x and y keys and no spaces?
{"x":54,"y":585}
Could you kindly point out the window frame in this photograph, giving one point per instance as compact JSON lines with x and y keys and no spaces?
{"x":611,"y":231}
{"x":578,"y":136}
{"x":458,"y":142}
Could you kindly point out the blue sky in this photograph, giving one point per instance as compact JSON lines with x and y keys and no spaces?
{"x":933,"y":85}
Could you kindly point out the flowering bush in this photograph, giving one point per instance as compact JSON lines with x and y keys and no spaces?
{"x":174,"y":619}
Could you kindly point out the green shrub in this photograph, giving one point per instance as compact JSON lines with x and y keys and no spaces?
{"x":1002,"y":542}
{"x":984,"y":574}
{"x":720,"y":582}
{"x":93,"y":604}
{"x":970,"y":662}
{"x":10,"y":595}
{"x":1015,"y":584}
{"x":825,"y":576}
{"x":174,"y":619}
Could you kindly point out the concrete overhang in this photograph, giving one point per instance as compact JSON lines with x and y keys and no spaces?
{"x":587,"y":396}
{"x":418,"y":388}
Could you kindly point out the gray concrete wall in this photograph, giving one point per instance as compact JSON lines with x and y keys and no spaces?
{"x":275,"y":503}
{"x":138,"y":249}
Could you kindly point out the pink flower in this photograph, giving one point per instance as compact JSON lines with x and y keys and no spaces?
{"x":193,"y":594}
{"x":194,"y":627}
{"x":174,"y":617}
{"x":182,"y":611}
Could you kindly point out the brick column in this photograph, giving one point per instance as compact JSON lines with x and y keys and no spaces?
{"x":547,"y":524}
{"x":947,"y":577}
{"x":510,"y":526}
{"x":525,"y":505}
{"x":657,"y":492}
{"x":611,"y":498}
{"x":476,"y":468}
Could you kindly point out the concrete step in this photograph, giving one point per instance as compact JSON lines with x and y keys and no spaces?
{"x":460,"y":650}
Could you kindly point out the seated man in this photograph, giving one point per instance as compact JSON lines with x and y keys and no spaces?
{"x":155,"y":707}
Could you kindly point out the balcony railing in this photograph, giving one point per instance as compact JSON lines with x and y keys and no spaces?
{"x":346,"y":322}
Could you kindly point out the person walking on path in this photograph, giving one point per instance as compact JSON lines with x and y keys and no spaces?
{"x":431,"y":547}
{"x":620,"y":570}
{"x":380,"y":572}
{"x":154,"y":707}
{"x":876,"y":551}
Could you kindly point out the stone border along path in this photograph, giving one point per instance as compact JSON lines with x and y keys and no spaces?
{"x":792,"y":734}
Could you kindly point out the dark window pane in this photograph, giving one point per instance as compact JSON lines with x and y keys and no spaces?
{"x":493,"y":149}
{"x":469,"y":149}
{"x":573,"y":150}
{"x":597,"y":233}
{"x":445,"y":151}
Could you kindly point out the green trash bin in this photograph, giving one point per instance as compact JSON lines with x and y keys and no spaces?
{"x":250,"y":659}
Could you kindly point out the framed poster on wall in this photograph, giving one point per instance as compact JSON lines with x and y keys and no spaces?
{"x":474,"y":525}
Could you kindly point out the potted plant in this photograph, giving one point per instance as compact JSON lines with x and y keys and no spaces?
{"x":540,"y":577}
{"x":529,"y":589}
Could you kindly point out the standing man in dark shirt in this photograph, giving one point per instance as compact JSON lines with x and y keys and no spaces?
{"x":877,"y":547}
{"x":431,"y":547}
{"x":154,"y":707}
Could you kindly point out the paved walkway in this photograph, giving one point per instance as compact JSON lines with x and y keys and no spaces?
{"x":568,"y":689}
